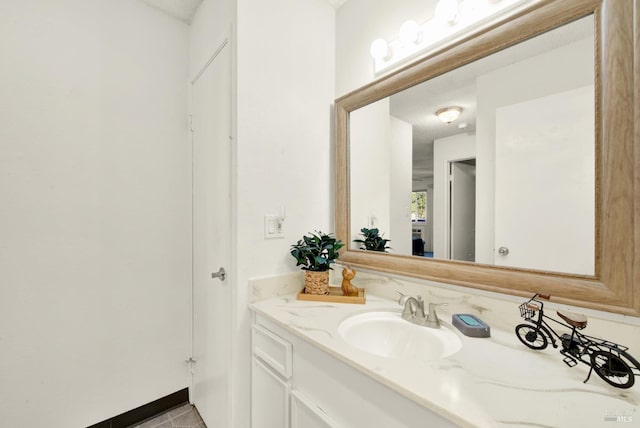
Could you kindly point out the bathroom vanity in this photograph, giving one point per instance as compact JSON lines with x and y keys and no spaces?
{"x":304,"y":373}
{"x":297,"y":384}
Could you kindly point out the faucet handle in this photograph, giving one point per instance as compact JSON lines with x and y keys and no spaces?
{"x":403,"y":298}
{"x":431,"y":305}
{"x":432,"y":308}
{"x":432,"y":317}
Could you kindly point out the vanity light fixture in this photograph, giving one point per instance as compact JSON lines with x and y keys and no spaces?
{"x":410,"y":32}
{"x":452,"y":19}
{"x":447,"y":11}
{"x":449,"y":114}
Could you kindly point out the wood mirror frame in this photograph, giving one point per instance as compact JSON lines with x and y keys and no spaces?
{"x":617,"y":263}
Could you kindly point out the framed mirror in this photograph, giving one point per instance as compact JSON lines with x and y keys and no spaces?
{"x":531,"y":187}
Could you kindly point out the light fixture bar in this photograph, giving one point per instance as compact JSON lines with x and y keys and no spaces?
{"x":454,"y":19}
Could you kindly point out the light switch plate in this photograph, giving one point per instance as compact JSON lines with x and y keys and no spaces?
{"x":273,"y":227}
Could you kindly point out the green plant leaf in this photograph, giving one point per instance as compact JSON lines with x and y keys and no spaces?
{"x":316,"y":251}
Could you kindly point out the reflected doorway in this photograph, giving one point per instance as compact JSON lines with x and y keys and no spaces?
{"x":462,"y":210}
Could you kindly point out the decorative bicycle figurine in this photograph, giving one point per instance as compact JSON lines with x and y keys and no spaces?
{"x":609,"y":360}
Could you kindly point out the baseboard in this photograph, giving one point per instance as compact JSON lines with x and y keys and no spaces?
{"x":145,"y":412}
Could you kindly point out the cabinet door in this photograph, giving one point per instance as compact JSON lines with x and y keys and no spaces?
{"x":304,"y":414}
{"x":269,"y":398}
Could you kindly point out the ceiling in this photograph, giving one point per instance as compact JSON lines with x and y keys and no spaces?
{"x":184,"y":10}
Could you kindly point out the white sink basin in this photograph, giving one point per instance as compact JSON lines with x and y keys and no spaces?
{"x":386,"y":334}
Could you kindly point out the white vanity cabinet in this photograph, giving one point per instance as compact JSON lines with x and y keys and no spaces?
{"x":305,"y":414}
{"x":270,"y":375}
{"x":273,"y":402}
{"x":269,"y":397}
{"x":323,"y":391}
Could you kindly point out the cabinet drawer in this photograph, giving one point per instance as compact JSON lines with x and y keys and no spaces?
{"x":273,"y":350}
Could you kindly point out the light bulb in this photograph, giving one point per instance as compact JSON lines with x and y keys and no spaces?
{"x":473,"y":10}
{"x":380,"y":49}
{"x":447,"y":11}
{"x":409,"y":32}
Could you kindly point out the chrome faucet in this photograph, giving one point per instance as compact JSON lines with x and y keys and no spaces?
{"x":432,"y":318}
{"x":413,"y":311}
{"x":413,"y":307}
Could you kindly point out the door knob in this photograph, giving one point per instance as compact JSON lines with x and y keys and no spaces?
{"x":503,"y":251}
{"x":220,"y":274}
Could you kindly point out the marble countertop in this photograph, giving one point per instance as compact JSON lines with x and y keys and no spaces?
{"x":490,"y":382}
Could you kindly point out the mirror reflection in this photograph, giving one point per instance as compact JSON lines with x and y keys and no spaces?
{"x":513,"y":137}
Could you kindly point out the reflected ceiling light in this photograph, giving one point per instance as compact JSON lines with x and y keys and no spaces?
{"x":447,"y":11}
{"x":409,"y":32}
{"x":380,"y":49}
{"x":449,"y":114}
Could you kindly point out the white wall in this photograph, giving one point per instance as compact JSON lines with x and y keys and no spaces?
{"x":370,"y":179}
{"x":95,"y":218}
{"x":285,"y":92}
{"x":400,"y":160}
{"x":380,"y":185}
{"x":285,"y":96}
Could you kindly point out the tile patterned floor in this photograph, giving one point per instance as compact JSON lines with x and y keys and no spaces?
{"x":185,"y":416}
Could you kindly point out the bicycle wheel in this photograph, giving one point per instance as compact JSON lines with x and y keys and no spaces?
{"x":630,"y":361}
{"x":612,"y":369}
{"x":531,"y":336}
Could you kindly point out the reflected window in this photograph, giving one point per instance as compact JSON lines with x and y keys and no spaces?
{"x":418,"y":206}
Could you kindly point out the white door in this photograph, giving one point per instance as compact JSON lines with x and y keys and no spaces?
{"x":462,"y":228}
{"x":545,"y":181}
{"x":211,"y":130}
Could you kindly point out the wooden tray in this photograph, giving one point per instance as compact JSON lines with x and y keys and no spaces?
{"x":335,"y":295}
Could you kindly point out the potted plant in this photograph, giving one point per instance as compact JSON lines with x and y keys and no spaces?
{"x":316,"y":253}
{"x":373,"y":240}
